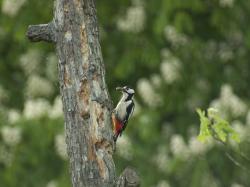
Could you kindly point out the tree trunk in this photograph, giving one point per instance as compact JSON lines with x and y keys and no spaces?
{"x":86,"y":103}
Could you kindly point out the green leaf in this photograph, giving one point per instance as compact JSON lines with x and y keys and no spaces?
{"x":215,"y":126}
{"x":204,"y":126}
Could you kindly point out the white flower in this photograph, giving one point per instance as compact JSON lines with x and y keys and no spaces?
{"x":212,"y":112}
{"x":52,"y":183}
{"x":61,"y":147}
{"x":163,"y":183}
{"x":225,"y":52}
{"x":57,"y":109}
{"x":161,"y":159}
{"x":170,"y":70}
{"x":238,"y":107}
{"x":146,"y":91}
{"x":178,"y":146}
{"x":236,"y":185}
{"x":226,"y":3}
{"x":175,"y":38}
{"x":196,"y":147}
{"x":124,"y":147}
{"x":11,"y":135}
{"x":6,"y":156}
{"x":38,"y":86}
{"x":208,"y":180}
{"x":210,"y":49}
{"x":11,"y":7}
{"x":156,"y":80}
{"x":36,"y":108}
{"x":13,"y":116}
{"x":216,"y":103}
{"x":170,"y":32}
{"x":165,"y":53}
{"x":229,"y":103}
{"x":30,"y":61}
{"x":240,"y":129}
{"x":134,"y":20}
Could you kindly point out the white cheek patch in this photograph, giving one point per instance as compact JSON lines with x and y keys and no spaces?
{"x":130,"y":91}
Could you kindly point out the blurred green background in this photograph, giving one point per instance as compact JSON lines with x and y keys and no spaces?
{"x":178,"y":56}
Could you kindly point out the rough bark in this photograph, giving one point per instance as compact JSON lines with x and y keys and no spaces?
{"x":128,"y":178}
{"x":86,"y":102}
{"x":42,"y":32}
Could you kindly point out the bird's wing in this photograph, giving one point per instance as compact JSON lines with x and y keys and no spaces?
{"x":130,"y":110}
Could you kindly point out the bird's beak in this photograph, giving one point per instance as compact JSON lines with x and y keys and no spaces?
{"x":119,"y":88}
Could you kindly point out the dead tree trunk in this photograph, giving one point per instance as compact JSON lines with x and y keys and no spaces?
{"x":86,"y":101}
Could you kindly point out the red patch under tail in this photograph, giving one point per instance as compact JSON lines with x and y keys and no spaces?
{"x":117,"y":126}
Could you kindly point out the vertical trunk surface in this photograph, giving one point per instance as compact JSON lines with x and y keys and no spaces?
{"x":83,"y":89}
{"x":86,"y":102}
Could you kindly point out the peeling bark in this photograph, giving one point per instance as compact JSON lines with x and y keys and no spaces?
{"x":129,"y":178}
{"x":86,"y":103}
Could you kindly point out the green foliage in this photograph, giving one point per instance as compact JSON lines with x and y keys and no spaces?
{"x":204,"y":126}
{"x":177,"y":55}
{"x":215,"y":126}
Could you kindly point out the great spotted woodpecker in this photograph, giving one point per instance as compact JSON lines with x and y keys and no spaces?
{"x":123,"y":111}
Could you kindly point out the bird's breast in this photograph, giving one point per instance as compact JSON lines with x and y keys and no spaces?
{"x":121,"y":109}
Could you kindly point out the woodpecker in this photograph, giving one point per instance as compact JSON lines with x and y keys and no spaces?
{"x":123,"y":111}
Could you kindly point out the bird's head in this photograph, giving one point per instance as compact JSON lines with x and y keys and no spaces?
{"x":126,"y":90}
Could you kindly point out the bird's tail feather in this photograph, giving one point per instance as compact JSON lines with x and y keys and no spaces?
{"x":115,"y":137}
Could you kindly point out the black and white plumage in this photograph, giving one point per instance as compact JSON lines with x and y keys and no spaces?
{"x":123,"y":111}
